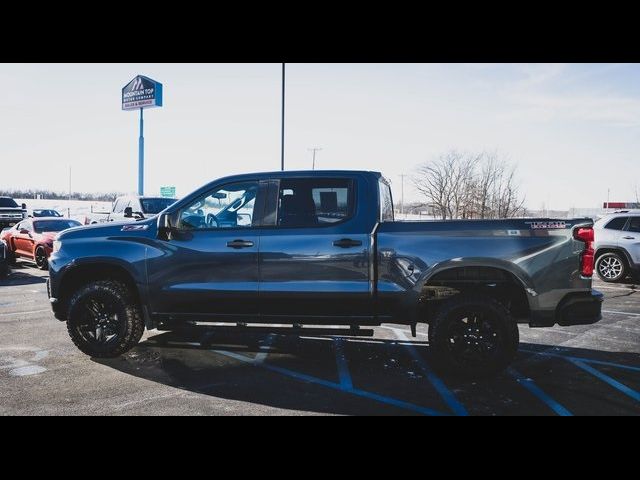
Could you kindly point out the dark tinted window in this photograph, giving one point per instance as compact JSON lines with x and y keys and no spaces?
{"x":46,"y":213}
{"x":8,"y":203}
{"x":617,"y":223}
{"x":54,"y":225}
{"x":153,"y":206}
{"x":634,"y":224}
{"x":314,"y":202}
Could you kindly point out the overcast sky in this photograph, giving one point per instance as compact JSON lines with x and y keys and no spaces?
{"x":573,"y":130}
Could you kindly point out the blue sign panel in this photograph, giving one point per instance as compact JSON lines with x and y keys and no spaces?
{"x":141,"y":92}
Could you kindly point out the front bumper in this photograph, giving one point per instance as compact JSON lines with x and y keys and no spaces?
{"x":578,"y":308}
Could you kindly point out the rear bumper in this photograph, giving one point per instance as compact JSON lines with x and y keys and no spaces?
{"x":579,"y":308}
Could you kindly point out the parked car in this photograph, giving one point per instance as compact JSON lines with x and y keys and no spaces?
{"x":32,"y":239}
{"x":322,"y":248}
{"x":617,"y":245}
{"x":10,"y":212}
{"x":45,"y":213}
{"x":4,"y":261}
{"x":133,"y":208}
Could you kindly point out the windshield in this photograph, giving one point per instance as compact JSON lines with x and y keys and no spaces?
{"x":8,"y":203}
{"x":54,"y":225}
{"x":153,"y":206}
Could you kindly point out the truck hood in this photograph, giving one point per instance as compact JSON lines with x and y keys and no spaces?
{"x":143,"y":228}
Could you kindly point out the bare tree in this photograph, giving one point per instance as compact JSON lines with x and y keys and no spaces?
{"x":470,"y":185}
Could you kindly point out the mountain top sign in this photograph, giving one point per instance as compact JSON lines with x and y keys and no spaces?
{"x":141,"y":92}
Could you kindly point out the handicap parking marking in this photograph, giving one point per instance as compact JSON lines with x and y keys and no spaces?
{"x":332,"y":385}
{"x":531,"y":386}
{"x":343,"y":368}
{"x":607,"y":379}
{"x":449,"y":398}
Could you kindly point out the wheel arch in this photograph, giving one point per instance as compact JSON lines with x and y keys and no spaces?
{"x":82,"y":273}
{"x":496,"y":278}
{"x":613,"y":249}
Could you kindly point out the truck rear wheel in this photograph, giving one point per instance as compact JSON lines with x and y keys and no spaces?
{"x":473,"y":335}
{"x":104,"y":320}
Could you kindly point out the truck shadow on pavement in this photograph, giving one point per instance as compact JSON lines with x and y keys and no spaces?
{"x":354,"y":376}
{"x":24,"y":275}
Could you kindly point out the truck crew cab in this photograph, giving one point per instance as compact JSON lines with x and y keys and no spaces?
{"x":322,"y":248}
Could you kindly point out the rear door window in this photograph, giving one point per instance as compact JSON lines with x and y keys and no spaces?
{"x":617,"y":223}
{"x":312,"y":202}
{"x":634,"y":224}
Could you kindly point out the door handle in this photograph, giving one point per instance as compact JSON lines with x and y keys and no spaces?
{"x":629,"y":238}
{"x":239,"y":244}
{"x":347,"y":243}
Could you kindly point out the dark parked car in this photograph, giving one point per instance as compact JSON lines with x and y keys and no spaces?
{"x":322,"y":248}
{"x":32,"y":239}
{"x":4,"y":261}
{"x":45,"y":213}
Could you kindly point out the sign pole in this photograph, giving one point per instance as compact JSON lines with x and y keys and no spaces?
{"x":282,"y":126}
{"x":141,"y":156}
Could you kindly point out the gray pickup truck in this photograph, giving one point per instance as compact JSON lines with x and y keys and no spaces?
{"x":323,"y":249}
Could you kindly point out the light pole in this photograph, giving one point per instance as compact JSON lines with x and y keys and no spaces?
{"x":282,"y":126}
{"x":314,"y":150}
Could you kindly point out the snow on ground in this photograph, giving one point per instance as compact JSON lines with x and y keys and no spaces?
{"x":76,"y":209}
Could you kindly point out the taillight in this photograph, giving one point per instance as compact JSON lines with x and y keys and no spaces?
{"x":587,"y":236}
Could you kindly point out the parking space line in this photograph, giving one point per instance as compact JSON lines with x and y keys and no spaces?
{"x":343,"y":367}
{"x":25,"y":313}
{"x":335,"y":386}
{"x":531,"y":386}
{"x":446,"y":394}
{"x":607,"y":379}
{"x":621,"y":313}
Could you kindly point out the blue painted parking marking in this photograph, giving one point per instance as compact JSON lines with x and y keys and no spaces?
{"x":582,"y":359}
{"x":343,"y":368}
{"x":607,"y":379}
{"x":335,"y":386}
{"x":531,"y":386}
{"x":446,"y":394}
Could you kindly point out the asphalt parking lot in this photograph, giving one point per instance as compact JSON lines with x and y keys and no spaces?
{"x":584,"y":370}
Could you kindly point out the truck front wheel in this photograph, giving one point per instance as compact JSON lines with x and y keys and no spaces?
{"x":473,"y":335}
{"x":104,"y":319}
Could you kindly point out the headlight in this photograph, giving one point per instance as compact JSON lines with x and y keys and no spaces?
{"x":57,"y":244}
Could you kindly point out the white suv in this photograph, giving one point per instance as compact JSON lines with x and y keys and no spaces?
{"x":617,"y":245}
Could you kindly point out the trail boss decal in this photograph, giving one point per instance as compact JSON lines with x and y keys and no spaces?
{"x":548,"y":225}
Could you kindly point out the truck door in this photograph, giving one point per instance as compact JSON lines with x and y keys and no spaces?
{"x":23,"y":239}
{"x":209,"y":267}
{"x":314,"y":257}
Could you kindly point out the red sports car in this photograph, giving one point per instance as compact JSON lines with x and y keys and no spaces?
{"x":32,"y":239}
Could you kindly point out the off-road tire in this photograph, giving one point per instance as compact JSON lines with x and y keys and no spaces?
{"x":128,"y":310}
{"x":452,"y":313}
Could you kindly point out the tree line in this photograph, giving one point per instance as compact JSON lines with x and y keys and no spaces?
{"x":50,"y":195}
{"x":461,"y":185}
